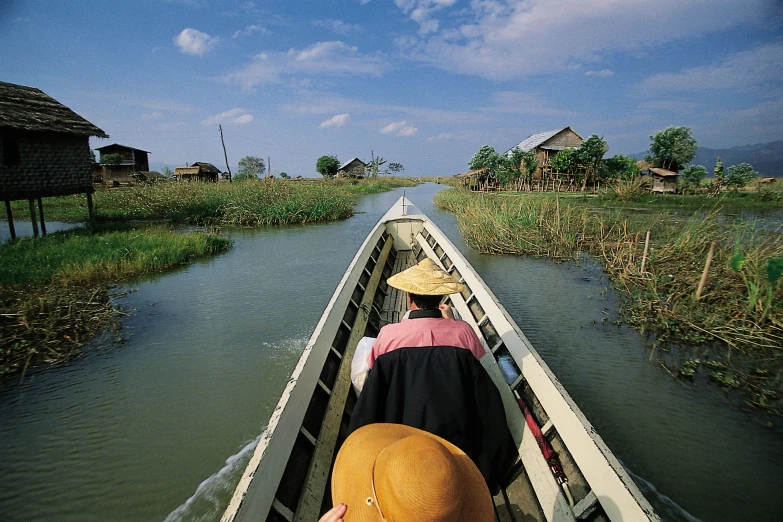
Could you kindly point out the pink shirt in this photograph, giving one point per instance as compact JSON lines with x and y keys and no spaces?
{"x":425,"y":331}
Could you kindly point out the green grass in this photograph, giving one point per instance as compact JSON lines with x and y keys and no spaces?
{"x":247,"y":203}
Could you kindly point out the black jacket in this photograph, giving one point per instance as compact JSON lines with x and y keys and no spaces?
{"x":443,"y":390}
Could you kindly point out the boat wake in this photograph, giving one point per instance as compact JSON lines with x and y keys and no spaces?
{"x":212,"y":495}
{"x":666,"y":508}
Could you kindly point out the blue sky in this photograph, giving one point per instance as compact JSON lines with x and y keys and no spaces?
{"x":421,"y":82}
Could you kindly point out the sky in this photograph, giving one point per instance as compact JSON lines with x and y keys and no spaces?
{"x":424,"y":83}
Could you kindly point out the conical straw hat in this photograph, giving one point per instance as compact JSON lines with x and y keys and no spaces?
{"x":426,"y":278}
{"x":396,"y":473}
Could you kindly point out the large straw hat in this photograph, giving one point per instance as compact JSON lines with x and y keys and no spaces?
{"x":398,"y":473}
{"x":426,"y":278}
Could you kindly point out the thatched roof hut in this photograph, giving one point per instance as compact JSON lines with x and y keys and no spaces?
{"x":199,"y":171}
{"x":45,"y":149}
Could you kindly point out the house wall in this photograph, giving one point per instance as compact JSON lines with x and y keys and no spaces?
{"x":566,"y":138}
{"x":354,"y":170}
{"x":47,"y":164}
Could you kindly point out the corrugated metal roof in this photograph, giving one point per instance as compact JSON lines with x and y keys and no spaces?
{"x":30,"y":109}
{"x":351,"y":161}
{"x":535,"y":140}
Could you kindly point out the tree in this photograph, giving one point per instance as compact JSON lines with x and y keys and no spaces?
{"x":672,"y":148}
{"x":394,"y":168}
{"x":485,"y":158}
{"x":167,"y":172}
{"x":692,"y":175}
{"x":373,"y":168}
{"x":740,"y":175}
{"x":589,"y":154}
{"x":250,"y":167}
{"x":619,"y":166}
{"x":284,"y":175}
{"x":327,"y":166}
{"x":531,"y":162}
{"x":564,"y":162}
{"x":111,"y":159}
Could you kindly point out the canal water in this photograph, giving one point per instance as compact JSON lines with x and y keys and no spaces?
{"x":159,"y":426}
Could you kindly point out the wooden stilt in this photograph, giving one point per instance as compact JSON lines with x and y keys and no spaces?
{"x":646,"y":248}
{"x":90,"y":210}
{"x":706,"y":270}
{"x":43,"y":221}
{"x":10,"y":217}
{"x":33,"y":218}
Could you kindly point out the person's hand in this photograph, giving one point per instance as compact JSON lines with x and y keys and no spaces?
{"x":335,"y":514}
{"x":446,"y":311}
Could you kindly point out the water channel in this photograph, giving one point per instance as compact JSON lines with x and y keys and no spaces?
{"x":158,"y":427}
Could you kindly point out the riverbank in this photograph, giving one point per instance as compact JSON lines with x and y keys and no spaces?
{"x":54,"y":291}
{"x":245,"y":204}
{"x":735,"y":325}
{"x":54,"y":295}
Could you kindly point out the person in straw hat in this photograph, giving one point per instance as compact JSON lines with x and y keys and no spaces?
{"x":429,"y":323}
{"x":395,"y":473}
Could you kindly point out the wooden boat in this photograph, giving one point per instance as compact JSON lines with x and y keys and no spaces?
{"x":287,"y":478}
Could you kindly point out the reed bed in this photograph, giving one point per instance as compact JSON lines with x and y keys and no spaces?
{"x":741,"y":305}
{"x":246,"y":203}
{"x":54,"y":294}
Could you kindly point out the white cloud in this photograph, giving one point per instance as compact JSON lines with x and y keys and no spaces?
{"x":231,"y":117}
{"x":602,"y":72}
{"x":338,"y":26}
{"x":321,"y":59}
{"x":154,"y":115}
{"x":421,"y":11}
{"x":505,"y":39}
{"x":740,"y":71}
{"x":339,"y":120}
{"x":249,"y":30}
{"x":399,"y":128}
{"x":193,"y":41}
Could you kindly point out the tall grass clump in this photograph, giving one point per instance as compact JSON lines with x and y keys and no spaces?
{"x":740,"y":308}
{"x":53,"y":290}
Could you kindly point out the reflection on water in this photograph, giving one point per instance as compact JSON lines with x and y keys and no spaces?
{"x":159,"y":427}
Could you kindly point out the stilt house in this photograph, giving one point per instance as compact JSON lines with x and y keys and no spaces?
{"x":546,"y":145}
{"x":45,"y":150}
{"x":126,"y":171}
{"x":199,"y":171}
{"x":352,"y":169}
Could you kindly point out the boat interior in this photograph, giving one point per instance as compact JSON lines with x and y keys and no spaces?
{"x":303,"y":493}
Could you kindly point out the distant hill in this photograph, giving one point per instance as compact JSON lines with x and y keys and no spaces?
{"x":766,"y":158}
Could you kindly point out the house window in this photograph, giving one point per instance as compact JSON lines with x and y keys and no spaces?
{"x":10,"y":152}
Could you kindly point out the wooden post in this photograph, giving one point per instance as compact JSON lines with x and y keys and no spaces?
{"x":706,"y":269}
{"x":33,"y":217}
{"x":90,"y":209}
{"x":646,"y":248}
{"x":10,"y":217}
{"x":43,"y":222}
{"x":224,"y":152}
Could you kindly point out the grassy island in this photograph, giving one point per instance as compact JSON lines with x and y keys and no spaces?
{"x":54,"y":290}
{"x":733,"y":330}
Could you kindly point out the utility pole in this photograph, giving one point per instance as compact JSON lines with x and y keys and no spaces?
{"x":269,"y":165}
{"x":224,"y":152}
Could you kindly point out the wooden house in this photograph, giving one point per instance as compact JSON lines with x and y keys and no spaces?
{"x":663,"y":180}
{"x":476,"y":179}
{"x":546,"y":145}
{"x":354,"y":168}
{"x":126,"y":171}
{"x":199,"y":171}
{"x":45,"y":150}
